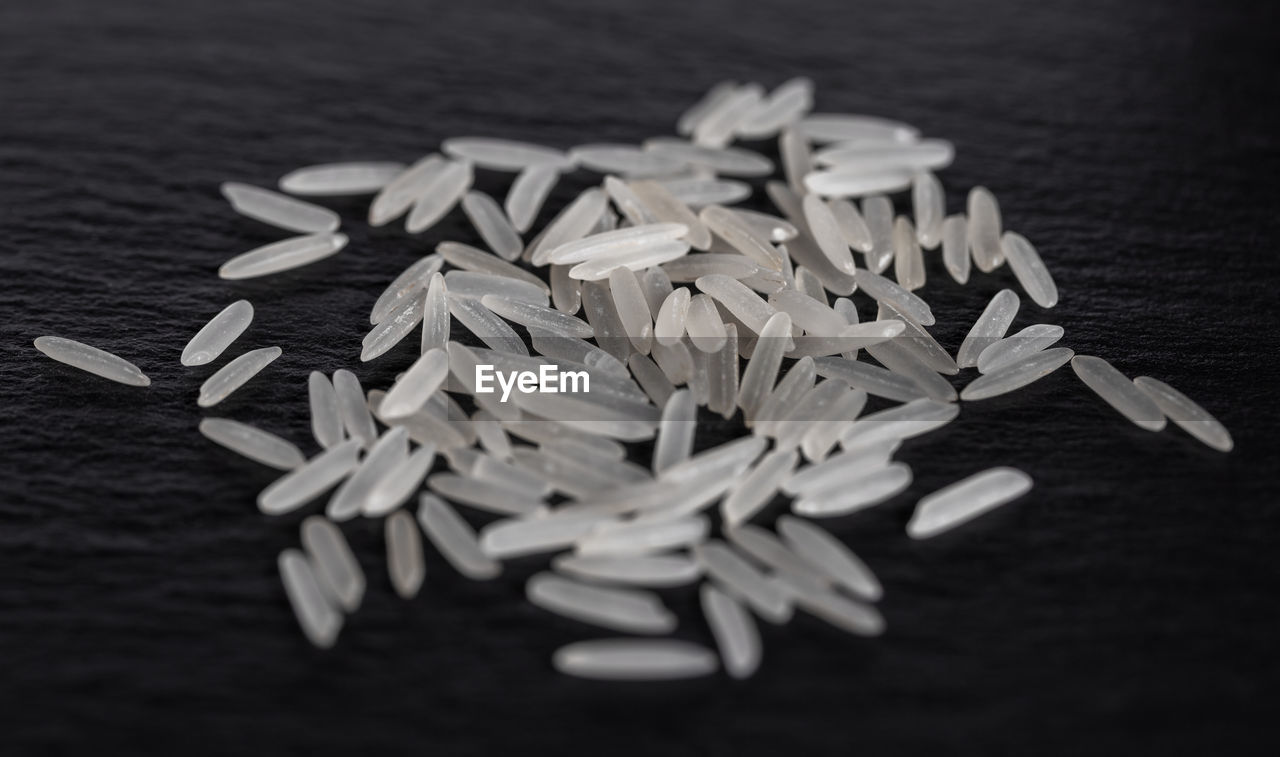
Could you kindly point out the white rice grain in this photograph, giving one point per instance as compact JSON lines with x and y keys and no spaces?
{"x":734,"y":630}
{"x":410,"y":283}
{"x":320,"y":620}
{"x":335,"y":566}
{"x":829,"y":127}
{"x":304,"y":484}
{"x":438,"y":195}
{"x":527,"y":194}
{"x":386,"y":454}
{"x":955,"y":247}
{"x":405,"y":565}
{"x":1119,"y":392}
{"x":990,"y":327}
{"x":1018,"y":347}
{"x":253,"y":443}
{"x":653,"y":571}
{"x":874,"y":488}
{"x":634,"y":660}
{"x":984,"y":229}
{"x":757,"y":488}
{"x":505,"y":154}
{"x":828,"y":556}
{"x":1017,"y":375}
{"x":492,"y":225}
{"x":928,"y":203}
{"x":411,"y":391}
{"x":235,"y":374}
{"x":1029,"y":269}
{"x":281,"y":211}
{"x":294,"y":252}
{"x":1182,"y":410}
{"x":353,"y":407}
{"x":965,"y":500}
{"x":91,"y":359}
{"x":340,"y":179}
{"x":454,"y":539}
{"x":626,"y":610}
{"x":218,"y":334}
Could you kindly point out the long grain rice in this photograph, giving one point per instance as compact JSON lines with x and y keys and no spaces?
{"x":218,"y":334}
{"x":91,"y":359}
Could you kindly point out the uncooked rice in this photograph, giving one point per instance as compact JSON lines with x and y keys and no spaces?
{"x":654,"y":288}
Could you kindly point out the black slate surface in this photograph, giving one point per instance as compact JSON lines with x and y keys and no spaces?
{"x":1129,"y":603}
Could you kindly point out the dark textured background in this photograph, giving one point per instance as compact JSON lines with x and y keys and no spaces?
{"x":1130,"y":602}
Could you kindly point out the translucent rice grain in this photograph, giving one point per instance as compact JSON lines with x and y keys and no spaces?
{"x":475,"y":285}
{"x":1017,"y":375}
{"x":536,"y":316}
{"x":855,"y":183}
{"x":1119,"y":392}
{"x":480,"y":494}
{"x":235,"y":374}
{"x":675,"y":431}
{"x":565,"y":291}
{"x":412,"y":389}
{"x":657,"y":254}
{"x":741,"y":236}
{"x":627,"y":240}
{"x":955,"y":247}
{"x":846,"y":614}
{"x":693,"y":267}
{"x":928,"y":202}
{"x":920,"y":342}
{"x":827,"y":232}
{"x":355,"y":411}
{"x":897,"y":358}
{"x":851,"y":338}
{"x":822,"y":436}
{"x":527,"y":193}
{"x":784,"y":105}
{"x":689,"y":120}
{"x":752,"y":311}
{"x":574,"y":222}
{"x":399,"y":483}
{"x":1018,"y":347}
{"x":454,"y":539}
{"x":718,"y":125}
{"x":252,"y":443}
{"x":729,"y":161}
{"x":853,"y":229}
{"x":320,"y":620}
{"x":842,"y":469}
{"x":435,"y":318}
{"x":505,"y":154}
{"x":877,"y":211}
{"x":894,"y":424}
{"x":864,"y":156}
{"x":651,"y":378}
{"x":797,"y":160}
{"x":384,"y":456}
{"x":405,"y":565}
{"x":870,"y":378}
{"x":790,"y":390}
{"x":626,"y":610}
{"x":989,"y":328}
{"x":438,"y":195}
{"x":326,"y":418}
{"x":825,"y":554}
{"x":908,"y":262}
{"x":722,"y":372}
{"x":336,"y":569}
{"x":218,"y":334}
{"x":703,"y":323}
{"x":757,"y":488}
{"x":965,"y":500}
{"x":627,"y":202}
{"x":654,"y":571}
{"x":870,"y":490}
{"x":91,"y":359}
{"x":984,"y":229}
{"x":814,"y":317}
{"x":768,"y":551}
{"x":1029,"y":269}
{"x":625,"y":160}
{"x":1180,"y":409}
{"x":762,"y":369}
{"x":394,"y":328}
{"x":814,"y":408}
{"x":514,"y":478}
{"x":665,"y":207}
{"x":598,"y":307}
{"x":842,"y":127}
{"x":492,"y":224}
{"x":340,"y":179}
{"x":410,"y":283}
{"x":486,"y":326}
{"x":741,"y":579}
{"x":279,"y":210}
{"x":294,"y":252}
{"x":882,"y":290}
{"x":304,"y":484}
{"x":399,"y":194}
{"x":630,"y":539}
{"x":657,"y":287}
{"x":734,"y":630}
{"x":698,"y":193}
{"x":634,"y":660}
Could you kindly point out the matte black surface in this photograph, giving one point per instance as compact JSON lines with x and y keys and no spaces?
{"x":1130,"y":602}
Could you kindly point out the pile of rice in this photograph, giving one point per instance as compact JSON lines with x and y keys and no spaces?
{"x":663,"y":298}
